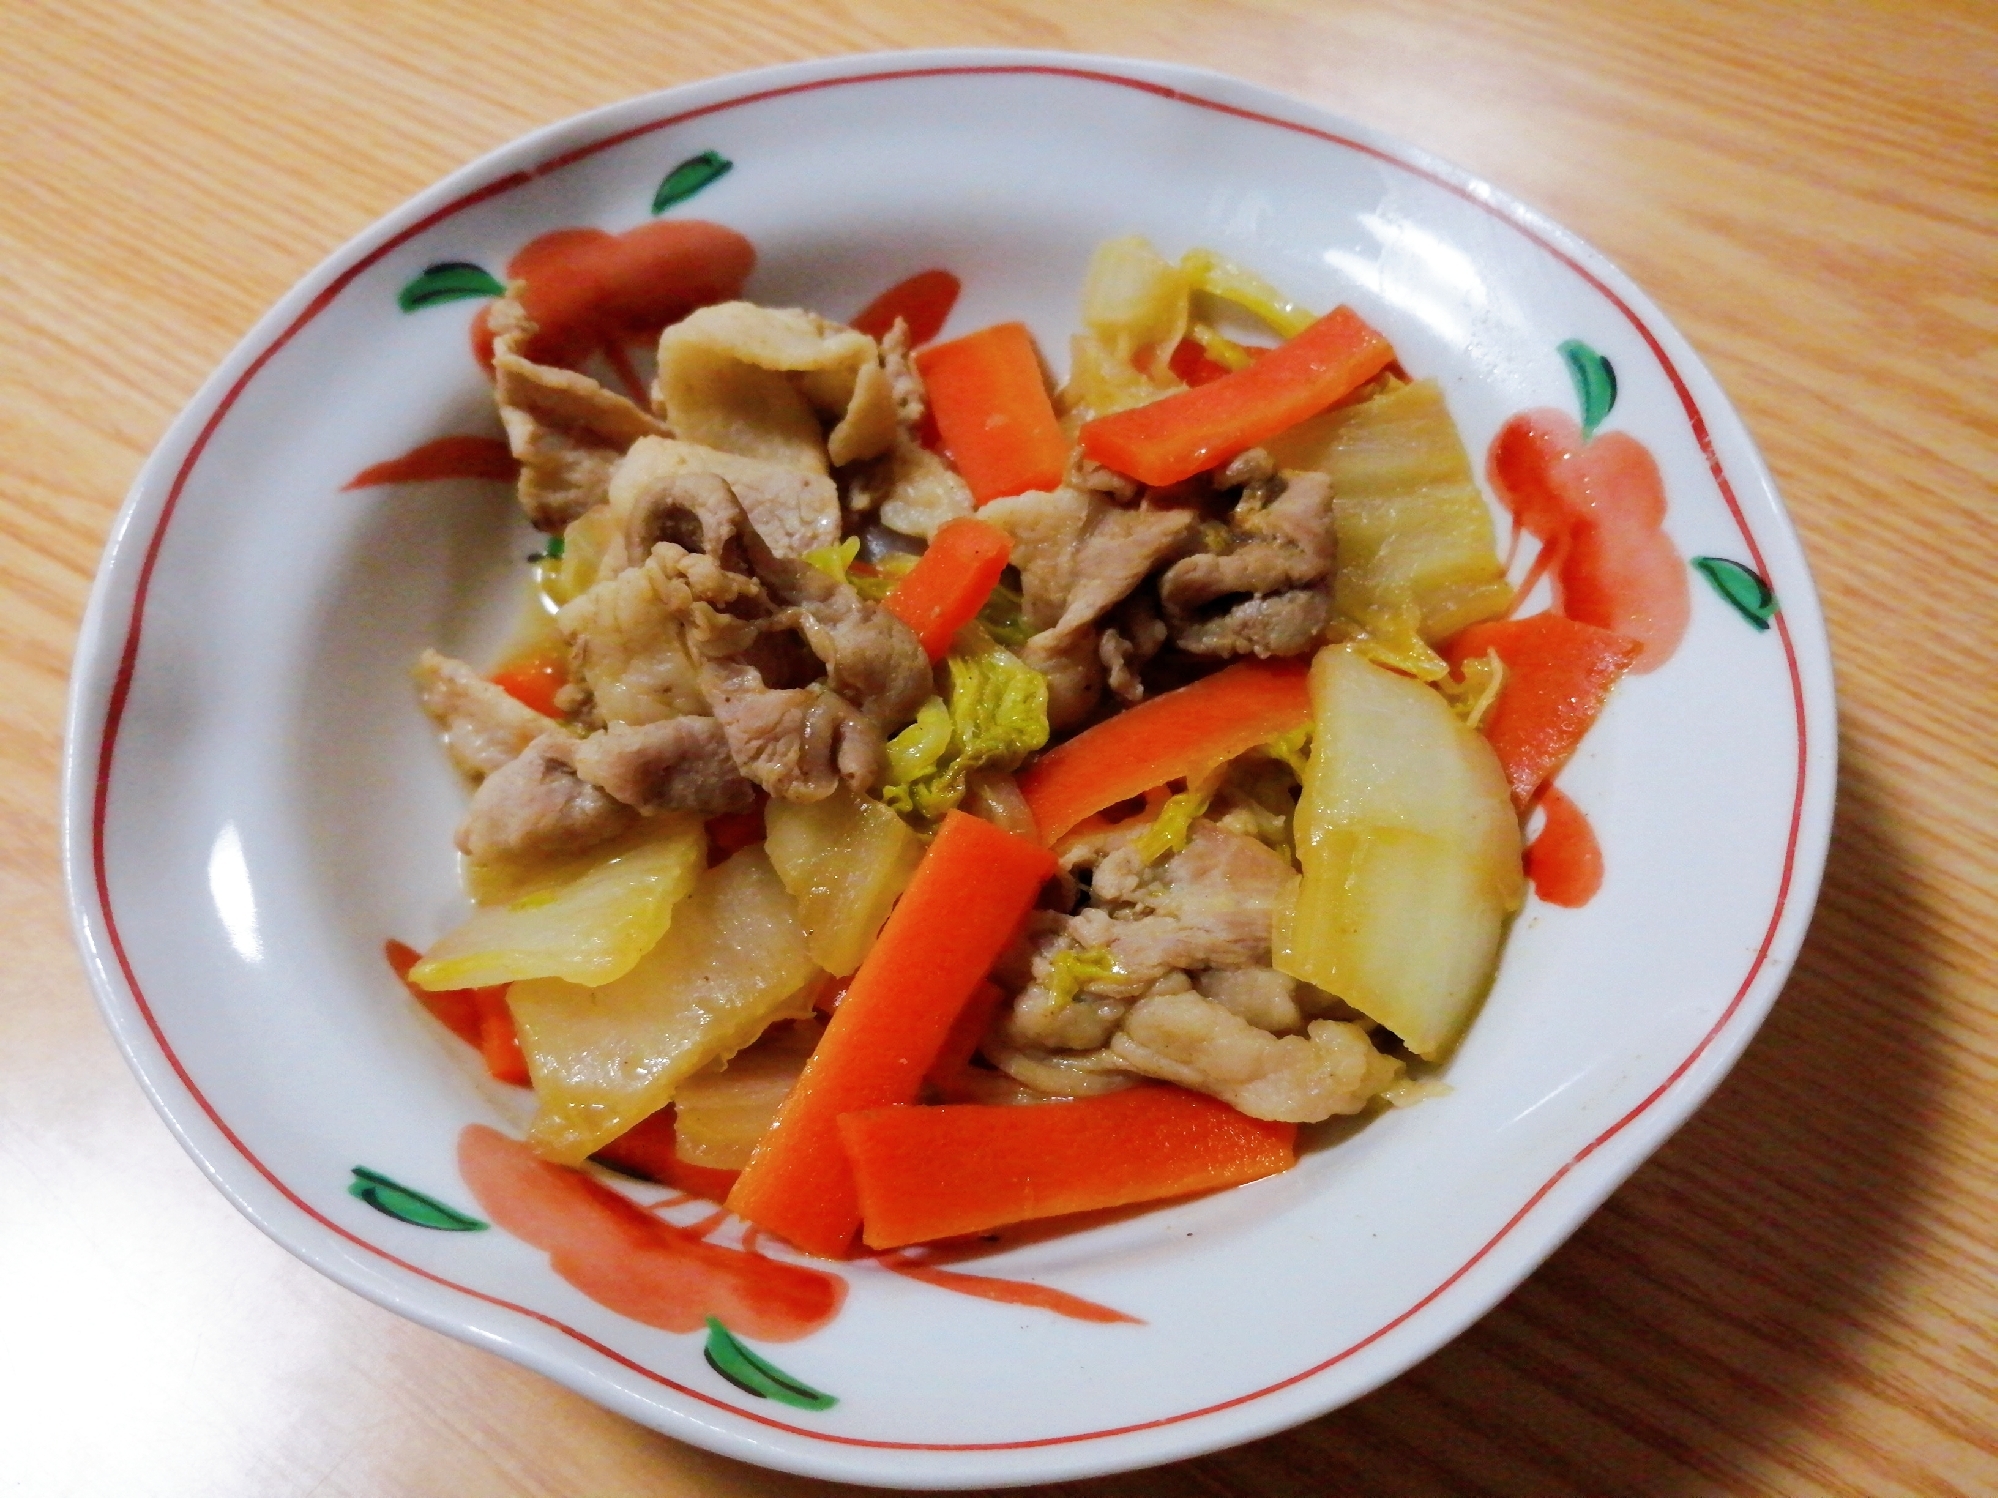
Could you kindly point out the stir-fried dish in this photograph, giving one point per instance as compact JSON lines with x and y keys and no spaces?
{"x":922,"y":800}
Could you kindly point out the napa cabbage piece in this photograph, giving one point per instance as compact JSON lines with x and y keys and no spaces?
{"x":844,"y":860}
{"x":1410,"y":850}
{"x":722,"y":1111}
{"x":1134,"y":308}
{"x":1074,"y":968}
{"x":604,"y":1057}
{"x":1474,"y":687}
{"x":587,"y":919}
{"x":879,"y":580}
{"x":571,"y":565}
{"x":1219,"y":276}
{"x":995,"y":715}
{"x":1174,"y":823}
{"x":834,"y":561}
{"x":1418,"y":559}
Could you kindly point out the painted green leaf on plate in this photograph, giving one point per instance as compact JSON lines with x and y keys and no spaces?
{"x":393,"y":1199}
{"x":1595,"y":383}
{"x":1741,"y":586}
{"x":689,"y":177}
{"x":448,"y":281}
{"x":753,"y":1375}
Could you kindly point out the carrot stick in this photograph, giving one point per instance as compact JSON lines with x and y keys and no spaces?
{"x":924,"y":302}
{"x":499,"y":1042}
{"x":1191,"y":363}
{"x":456,"y":1009}
{"x":946,"y":1076}
{"x":1174,"y":736}
{"x":992,"y":409}
{"x":731,"y":831}
{"x":647,"y":1150}
{"x":534,"y":680}
{"x":928,"y":1173}
{"x":1557,"y":674}
{"x":950,"y":582}
{"x":1193,"y":430}
{"x":477,"y":1016}
{"x":969,"y":894}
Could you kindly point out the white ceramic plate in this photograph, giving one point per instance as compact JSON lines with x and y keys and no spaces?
{"x":253,"y":802}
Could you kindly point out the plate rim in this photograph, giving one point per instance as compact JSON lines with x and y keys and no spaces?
{"x":106,"y":657}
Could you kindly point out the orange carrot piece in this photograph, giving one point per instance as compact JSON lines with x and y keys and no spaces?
{"x":969,"y":894}
{"x":946,"y":1074}
{"x":732,"y":831}
{"x":477,"y":1016}
{"x":992,"y":409}
{"x":499,"y":1042}
{"x":924,"y":302}
{"x":929,"y":1173}
{"x":1193,"y":430}
{"x":950,"y":582}
{"x":1193,"y":365}
{"x":534,"y":680}
{"x":456,"y":1009}
{"x":1557,"y":674}
{"x":647,"y":1150}
{"x":1174,"y":736}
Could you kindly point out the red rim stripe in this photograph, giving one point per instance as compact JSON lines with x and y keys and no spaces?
{"x":128,"y":662}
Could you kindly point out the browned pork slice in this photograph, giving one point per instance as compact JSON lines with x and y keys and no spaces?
{"x":759,"y":381}
{"x":1222,"y":886}
{"x":483,"y":727}
{"x":905,"y":381}
{"x":871,"y":657}
{"x":1185,"y":1038}
{"x":1273,"y":624}
{"x":695,"y":511}
{"x":1209,"y":906}
{"x":682,"y":634}
{"x":678,"y":764}
{"x":1136,"y":634}
{"x":1263,"y":996}
{"x":1285,"y":542}
{"x":1079,"y":557}
{"x":793,"y":511}
{"x":1046,"y":528}
{"x":913,"y":490}
{"x":567,"y":431}
{"x":1119,"y":550}
{"x":628,"y":641}
{"x":537,"y":805}
{"x":798,"y":743}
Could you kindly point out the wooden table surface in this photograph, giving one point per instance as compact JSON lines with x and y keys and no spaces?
{"x":1795,"y":1296}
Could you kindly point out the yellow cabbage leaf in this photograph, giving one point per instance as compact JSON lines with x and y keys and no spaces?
{"x":1418,"y":559}
{"x":996,"y":714}
{"x":723,"y":1111}
{"x":845,"y":860}
{"x":587,"y":919}
{"x":1410,"y":850}
{"x":603,"y":1058}
{"x":1134,"y":306}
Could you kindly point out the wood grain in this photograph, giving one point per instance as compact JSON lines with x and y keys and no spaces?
{"x":1796,"y":1296}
